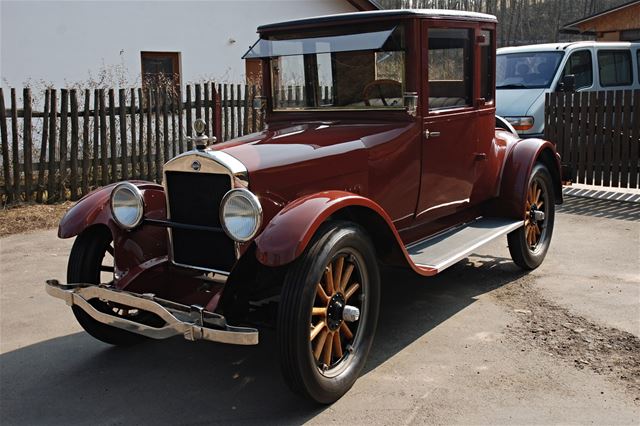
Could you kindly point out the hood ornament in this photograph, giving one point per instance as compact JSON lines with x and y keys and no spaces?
{"x":200,"y":140}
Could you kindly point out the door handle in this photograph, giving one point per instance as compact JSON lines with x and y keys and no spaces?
{"x":480,"y":156}
{"x":429,"y":135}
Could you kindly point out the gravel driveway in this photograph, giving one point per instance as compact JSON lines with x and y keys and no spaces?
{"x":483,"y":343}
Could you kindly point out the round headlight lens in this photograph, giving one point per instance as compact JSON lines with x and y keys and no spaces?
{"x":127,"y":205}
{"x":241,"y":214}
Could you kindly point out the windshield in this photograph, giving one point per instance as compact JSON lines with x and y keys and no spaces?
{"x":526,"y":70}
{"x":352,"y":71}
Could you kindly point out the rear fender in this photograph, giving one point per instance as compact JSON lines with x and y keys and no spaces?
{"x":131,"y":247}
{"x":517,"y":169}
{"x":287,"y":235}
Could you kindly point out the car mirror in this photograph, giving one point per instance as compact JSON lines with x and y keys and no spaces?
{"x":568,"y":83}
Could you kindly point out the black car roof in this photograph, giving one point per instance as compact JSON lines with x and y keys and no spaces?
{"x":376,"y":14}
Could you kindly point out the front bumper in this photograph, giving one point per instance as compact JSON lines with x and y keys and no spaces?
{"x":192,"y":322}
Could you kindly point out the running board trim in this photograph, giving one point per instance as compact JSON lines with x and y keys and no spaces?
{"x":445,"y":249}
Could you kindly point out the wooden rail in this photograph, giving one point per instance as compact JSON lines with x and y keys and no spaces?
{"x":597,"y":135}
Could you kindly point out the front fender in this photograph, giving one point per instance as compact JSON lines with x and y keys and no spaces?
{"x":288,"y":233}
{"x":94,"y":209}
{"x":131,"y":247}
{"x":517,"y":169}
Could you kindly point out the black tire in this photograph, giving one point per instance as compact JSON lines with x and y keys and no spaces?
{"x":528,"y":250}
{"x":85,"y":263}
{"x":302,"y":369}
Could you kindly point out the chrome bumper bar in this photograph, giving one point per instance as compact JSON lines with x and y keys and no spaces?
{"x":192,"y":322}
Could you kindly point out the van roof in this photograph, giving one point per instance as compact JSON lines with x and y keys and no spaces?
{"x":546,"y":47}
{"x":377,"y":14}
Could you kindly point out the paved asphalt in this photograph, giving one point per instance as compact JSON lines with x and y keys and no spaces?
{"x":461,"y":348}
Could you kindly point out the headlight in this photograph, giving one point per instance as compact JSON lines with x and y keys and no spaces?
{"x":520,"y":123}
{"x":240,"y":214}
{"x":127,"y":205}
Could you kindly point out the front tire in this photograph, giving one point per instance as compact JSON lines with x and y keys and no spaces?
{"x":91,"y":262}
{"x":529,"y":244}
{"x":322,"y":347}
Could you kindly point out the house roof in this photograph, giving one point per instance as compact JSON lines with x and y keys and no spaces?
{"x":571,"y":26}
{"x":398,"y":13}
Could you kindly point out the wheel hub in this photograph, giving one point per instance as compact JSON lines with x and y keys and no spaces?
{"x":335,"y":311}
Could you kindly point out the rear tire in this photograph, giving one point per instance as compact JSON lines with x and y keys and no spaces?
{"x":323,"y":349}
{"x":529,"y":244}
{"x":89,"y":251}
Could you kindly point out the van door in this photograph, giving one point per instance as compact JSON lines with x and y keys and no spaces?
{"x":580,"y":64}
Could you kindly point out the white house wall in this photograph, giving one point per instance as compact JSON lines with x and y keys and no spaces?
{"x":66,"y":42}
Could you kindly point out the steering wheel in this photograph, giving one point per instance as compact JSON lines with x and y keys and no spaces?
{"x":378,"y":83}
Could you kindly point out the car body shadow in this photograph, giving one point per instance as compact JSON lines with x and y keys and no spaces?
{"x":76,"y":380}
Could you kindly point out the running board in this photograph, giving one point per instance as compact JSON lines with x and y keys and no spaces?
{"x":443,"y":250}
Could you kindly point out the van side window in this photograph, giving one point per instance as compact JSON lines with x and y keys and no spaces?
{"x":450,"y":70}
{"x":580,"y":65}
{"x":615,"y":67}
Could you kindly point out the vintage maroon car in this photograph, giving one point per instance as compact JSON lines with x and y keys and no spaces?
{"x":390,"y":156}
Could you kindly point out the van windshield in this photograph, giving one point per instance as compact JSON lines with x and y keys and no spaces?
{"x":526,"y":70}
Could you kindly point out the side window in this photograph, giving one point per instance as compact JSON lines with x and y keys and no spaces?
{"x":450,"y":70}
{"x":580,"y":64}
{"x":638,"y":62}
{"x":486,"y":66}
{"x":615,"y":67}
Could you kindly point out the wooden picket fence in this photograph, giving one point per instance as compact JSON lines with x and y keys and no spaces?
{"x":597,"y":134}
{"x":69,"y":148}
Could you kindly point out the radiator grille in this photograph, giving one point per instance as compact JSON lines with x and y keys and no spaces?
{"x":194,"y":199}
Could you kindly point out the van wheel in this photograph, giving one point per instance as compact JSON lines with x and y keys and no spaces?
{"x":91,"y":261}
{"x":528,"y":245}
{"x":328,"y":313}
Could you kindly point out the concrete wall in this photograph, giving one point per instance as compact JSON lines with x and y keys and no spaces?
{"x":67,"y":42}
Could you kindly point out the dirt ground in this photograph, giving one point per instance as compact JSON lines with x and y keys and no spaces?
{"x":482,"y":343}
{"x":21,"y":218}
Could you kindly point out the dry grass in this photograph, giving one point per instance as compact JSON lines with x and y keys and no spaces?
{"x":20,"y":218}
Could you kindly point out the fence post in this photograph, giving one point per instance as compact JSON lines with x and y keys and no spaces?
{"x":134,"y":156}
{"x":112,"y":136}
{"x":51,"y":178}
{"x":104,"y":166}
{"x":28,"y":144}
{"x":43,"y":146}
{"x":217,"y":113}
{"x":64,"y":127}
{"x":165,"y":124}
{"x":96,"y":137}
{"x":73,"y":164}
{"x":634,"y":157}
{"x":188,"y":108}
{"x":85,"y":142}
{"x":141,"y":134}
{"x":158,"y":162}
{"x":5,"y":147}
{"x":148,"y":98}
{"x":122,"y":106}
{"x":15,"y":146}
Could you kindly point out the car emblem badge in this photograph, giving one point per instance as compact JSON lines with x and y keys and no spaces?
{"x":196,"y":165}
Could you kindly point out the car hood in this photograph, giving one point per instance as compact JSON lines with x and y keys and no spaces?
{"x":516,"y":102}
{"x":299,"y":158}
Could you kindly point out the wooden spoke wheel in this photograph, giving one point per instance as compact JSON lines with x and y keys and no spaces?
{"x":92,"y":261}
{"x":336,"y":312}
{"x":528,"y":245}
{"x":534,"y":214}
{"x":328,"y":312}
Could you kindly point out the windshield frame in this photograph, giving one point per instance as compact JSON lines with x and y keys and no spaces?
{"x":522,"y":86}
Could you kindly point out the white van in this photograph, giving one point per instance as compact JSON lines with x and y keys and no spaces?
{"x":525,"y":73}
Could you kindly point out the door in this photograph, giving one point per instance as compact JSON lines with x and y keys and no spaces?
{"x":449,"y":134}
